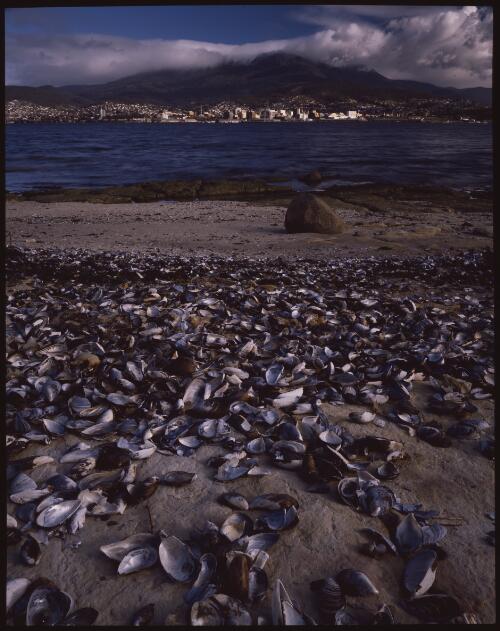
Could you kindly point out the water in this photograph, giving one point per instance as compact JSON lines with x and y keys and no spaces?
{"x":42,"y":155}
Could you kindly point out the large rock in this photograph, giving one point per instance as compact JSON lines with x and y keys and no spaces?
{"x":310,"y":213}
{"x":312,"y":178}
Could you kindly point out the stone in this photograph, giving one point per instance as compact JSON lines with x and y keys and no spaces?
{"x":314,"y":177}
{"x":310,"y":213}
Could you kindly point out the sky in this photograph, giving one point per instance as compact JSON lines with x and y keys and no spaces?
{"x":444,"y":45}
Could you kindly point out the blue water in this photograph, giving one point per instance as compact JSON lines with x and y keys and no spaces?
{"x":42,"y":155}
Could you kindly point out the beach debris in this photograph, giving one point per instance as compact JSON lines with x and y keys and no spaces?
{"x":176,"y":559}
{"x":355,"y":583}
{"x":119,"y":549}
{"x":138,"y":559}
{"x":234,"y":500}
{"x":420,"y":572}
{"x":284,"y":610}
{"x":141,"y":365}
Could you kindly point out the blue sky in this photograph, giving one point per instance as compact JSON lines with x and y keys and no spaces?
{"x":447,"y":45}
{"x":224,"y":24}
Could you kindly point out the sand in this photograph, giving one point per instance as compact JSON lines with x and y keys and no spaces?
{"x":240,"y":228}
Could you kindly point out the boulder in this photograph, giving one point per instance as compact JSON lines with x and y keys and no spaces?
{"x":314,"y":177}
{"x":310,"y":213}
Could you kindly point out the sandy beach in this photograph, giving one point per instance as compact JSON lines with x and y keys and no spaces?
{"x":408,"y":224}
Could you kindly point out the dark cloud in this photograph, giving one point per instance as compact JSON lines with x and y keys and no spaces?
{"x":442,"y":45}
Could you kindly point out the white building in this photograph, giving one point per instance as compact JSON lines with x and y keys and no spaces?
{"x":352,"y":114}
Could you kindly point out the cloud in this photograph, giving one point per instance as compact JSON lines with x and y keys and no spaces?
{"x":445,"y":46}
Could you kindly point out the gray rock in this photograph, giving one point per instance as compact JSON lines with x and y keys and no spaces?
{"x":314,"y":177}
{"x":309,"y":213}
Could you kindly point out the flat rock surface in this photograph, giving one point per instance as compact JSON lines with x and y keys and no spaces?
{"x":246,"y":228}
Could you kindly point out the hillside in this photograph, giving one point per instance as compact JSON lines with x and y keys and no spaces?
{"x":268,"y":77}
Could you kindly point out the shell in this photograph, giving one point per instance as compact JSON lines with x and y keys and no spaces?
{"x":330,"y":598}
{"x":408,"y":536}
{"x":47,"y":607}
{"x":420,"y":572}
{"x":176,"y":559}
{"x":57,"y":514}
{"x":388,"y":471}
{"x":198,"y":591}
{"x":355,"y":583}
{"x":30,"y":551}
{"x":281,"y":519}
{"x":177,"y":478}
{"x":138,"y":559}
{"x":15,"y":589}
{"x":119,"y":549}
{"x":234,"y":500}
{"x":236,"y":525}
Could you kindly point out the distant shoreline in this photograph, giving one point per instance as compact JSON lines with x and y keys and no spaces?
{"x":258,"y":122}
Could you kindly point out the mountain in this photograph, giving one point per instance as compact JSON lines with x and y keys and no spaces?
{"x":269,"y":77}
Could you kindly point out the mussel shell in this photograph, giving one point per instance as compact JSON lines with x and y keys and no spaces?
{"x":420,"y":572}
{"x":119,"y":549}
{"x":408,"y":536}
{"x":388,"y":471}
{"x":347,"y":489}
{"x":330,"y":598}
{"x":258,"y":584}
{"x":377,"y":500}
{"x":236,"y":577}
{"x":206,"y":613}
{"x":236,"y":525}
{"x":57,"y":514}
{"x":273,"y":501}
{"x":355,"y":583}
{"x":61,"y":482}
{"x":138,"y":559}
{"x":433,"y":533}
{"x":234,"y":500}
{"x":177,"y":478}
{"x":21,"y":482}
{"x":281,"y":519}
{"x":198,"y":591}
{"x":260,"y":541}
{"x":30,"y":551}
{"x":379,"y":539}
{"x":47,"y":607}
{"x":15,"y":589}
{"x":176,"y":559}
{"x":433,"y":436}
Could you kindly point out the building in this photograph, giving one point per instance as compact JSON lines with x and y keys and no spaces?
{"x":268,"y":114}
{"x":352,"y":114}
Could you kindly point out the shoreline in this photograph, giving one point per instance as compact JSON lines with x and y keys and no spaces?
{"x":380,"y":220}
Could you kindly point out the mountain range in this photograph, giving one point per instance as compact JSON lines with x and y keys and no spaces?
{"x":270,"y":77}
